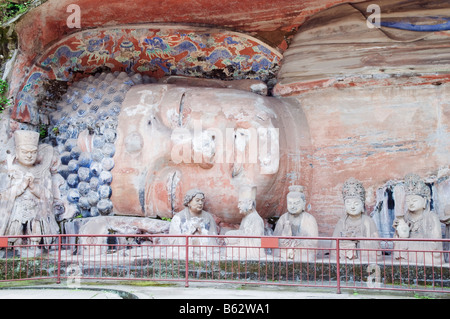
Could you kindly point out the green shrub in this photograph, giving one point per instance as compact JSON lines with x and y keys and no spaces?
{"x":9,"y":10}
{"x":4,"y":100}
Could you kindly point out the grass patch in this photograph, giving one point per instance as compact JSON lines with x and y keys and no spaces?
{"x":26,"y":283}
{"x":135,"y":283}
{"x":9,"y":10}
{"x":417,"y":296}
{"x":4,"y":100}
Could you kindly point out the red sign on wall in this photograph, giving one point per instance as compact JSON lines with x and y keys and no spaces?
{"x":3,"y":242}
{"x":268,"y":242}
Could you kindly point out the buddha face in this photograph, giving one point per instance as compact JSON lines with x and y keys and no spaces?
{"x":245,"y":206}
{"x":172,"y":139}
{"x":27,"y":154}
{"x":295,"y":205}
{"x":196,"y":204}
{"x":354,"y":206}
{"x":415,"y":203}
{"x":447,"y":210}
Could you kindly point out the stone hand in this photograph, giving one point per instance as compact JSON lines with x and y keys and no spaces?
{"x":290,"y":253}
{"x":195,"y":227}
{"x":30,"y":183}
{"x":29,"y":179}
{"x":287,"y":231}
{"x":395,"y":223}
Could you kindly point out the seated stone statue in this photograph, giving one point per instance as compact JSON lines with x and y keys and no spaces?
{"x":446,"y":221}
{"x":297,"y":222}
{"x":193,"y":220}
{"x":356,"y":224}
{"x":251,"y":225}
{"x":27,"y":206}
{"x":420,"y":222}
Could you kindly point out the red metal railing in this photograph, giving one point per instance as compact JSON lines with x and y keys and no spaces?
{"x":318,"y":262}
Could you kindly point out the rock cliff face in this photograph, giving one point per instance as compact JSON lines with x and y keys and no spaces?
{"x":356,"y":94}
{"x":271,"y":20}
{"x":340,"y":47}
{"x":149,"y":50}
{"x":134,"y":148}
{"x":376,"y":99}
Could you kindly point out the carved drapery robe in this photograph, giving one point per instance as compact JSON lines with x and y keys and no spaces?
{"x":25,"y":211}
{"x":426,"y":226}
{"x":366,"y":228}
{"x":304,"y":225}
{"x":251,"y":225}
{"x":183,"y":223}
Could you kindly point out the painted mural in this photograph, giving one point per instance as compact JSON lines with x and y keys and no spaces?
{"x":153,"y":52}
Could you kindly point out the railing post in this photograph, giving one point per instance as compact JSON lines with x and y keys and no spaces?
{"x":58,"y":279}
{"x":186,"y":284}
{"x":338,"y":267}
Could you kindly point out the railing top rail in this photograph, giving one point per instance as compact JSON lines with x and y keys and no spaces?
{"x":234,"y":236}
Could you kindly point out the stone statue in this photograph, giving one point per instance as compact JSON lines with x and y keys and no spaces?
{"x":446,"y":221}
{"x":193,"y":220}
{"x":188,"y":136}
{"x":251,"y":225}
{"x":28,"y":204}
{"x":297,"y":222}
{"x":356,"y":224}
{"x":420,"y":222}
{"x":173,"y":138}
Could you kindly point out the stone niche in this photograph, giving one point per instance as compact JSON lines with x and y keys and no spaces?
{"x":138,"y":154}
{"x":376,"y":100}
{"x":128,"y":89}
{"x":390,"y":201}
{"x":351,"y":100}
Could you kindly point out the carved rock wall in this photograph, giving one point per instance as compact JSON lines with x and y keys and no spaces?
{"x":376,"y":99}
{"x":151,"y":50}
{"x":375,"y":135}
{"x":366,"y":102}
{"x":84,"y":131}
{"x":120,"y":152}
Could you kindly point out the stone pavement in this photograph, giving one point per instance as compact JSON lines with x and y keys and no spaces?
{"x":196,"y":291}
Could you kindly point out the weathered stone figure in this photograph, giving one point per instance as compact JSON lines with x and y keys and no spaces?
{"x":297,"y":222}
{"x":356,"y":224}
{"x":251,"y":225}
{"x":446,"y":221}
{"x":421,"y":223}
{"x":28,"y":203}
{"x":193,"y":220}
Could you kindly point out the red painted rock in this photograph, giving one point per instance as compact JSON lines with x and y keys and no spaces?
{"x":376,"y":100}
{"x":171,"y":139}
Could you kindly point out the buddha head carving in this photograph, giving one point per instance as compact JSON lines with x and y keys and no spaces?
{"x":353,"y":194}
{"x":141,"y":147}
{"x":171,"y":139}
{"x":26,"y":147}
{"x":296,"y":201}
{"x":247,"y":199}
{"x":194,"y":200}
{"x":417,"y":193}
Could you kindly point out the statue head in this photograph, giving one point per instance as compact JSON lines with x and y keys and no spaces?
{"x":353,"y":194}
{"x":194,"y":200}
{"x":296,"y":201}
{"x":447,"y":210}
{"x":417,"y":193}
{"x":27,"y":143}
{"x":215,"y":139}
{"x":247,"y":199}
